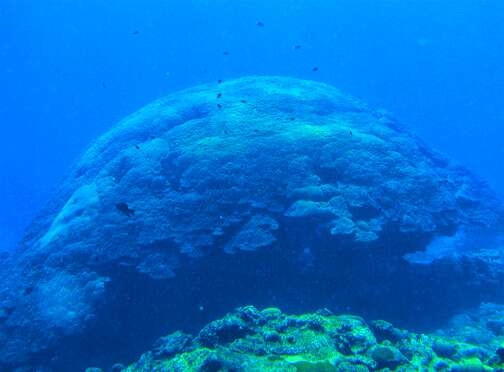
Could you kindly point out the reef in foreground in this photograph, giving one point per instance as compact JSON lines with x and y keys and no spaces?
{"x":268,"y":340}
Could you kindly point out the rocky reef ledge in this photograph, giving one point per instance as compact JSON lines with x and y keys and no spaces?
{"x":269,"y":340}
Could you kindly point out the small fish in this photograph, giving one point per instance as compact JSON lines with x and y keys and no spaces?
{"x":27,"y":291}
{"x":243,"y":101}
{"x":219,"y":81}
{"x":260,"y":24}
{"x":292,"y":119}
{"x":219,"y":105}
{"x":351,"y":133}
{"x":137,"y":147}
{"x":103,"y":84}
{"x":297,"y":46}
{"x":136,"y":32}
{"x":125,"y":209}
{"x":226,"y":53}
{"x":315,"y":69}
{"x":219,"y":95}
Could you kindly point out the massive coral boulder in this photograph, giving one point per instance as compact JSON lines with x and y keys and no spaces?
{"x":264,"y":190}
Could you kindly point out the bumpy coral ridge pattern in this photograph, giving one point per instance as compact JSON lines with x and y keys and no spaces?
{"x":269,"y":340}
{"x":266,"y":177}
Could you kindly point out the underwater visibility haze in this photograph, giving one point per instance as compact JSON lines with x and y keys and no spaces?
{"x":289,"y":186}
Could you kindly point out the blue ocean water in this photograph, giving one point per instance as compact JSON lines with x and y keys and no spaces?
{"x":70,"y":70}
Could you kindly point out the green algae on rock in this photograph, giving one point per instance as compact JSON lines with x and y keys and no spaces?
{"x":241,"y":341}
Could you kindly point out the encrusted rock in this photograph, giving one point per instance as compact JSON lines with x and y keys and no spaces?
{"x":387,"y":356}
{"x":303,"y":349}
{"x":224,"y":330}
{"x":386,"y":331}
{"x":170,"y":345}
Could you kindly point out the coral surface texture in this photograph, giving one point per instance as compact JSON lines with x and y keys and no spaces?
{"x":265,"y":190}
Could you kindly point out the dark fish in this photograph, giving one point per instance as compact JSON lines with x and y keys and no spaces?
{"x":27,"y":291}
{"x":260,"y":24}
{"x":226,"y":53}
{"x":219,"y":95}
{"x":125,"y":209}
{"x":137,"y":147}
{"x":315,"y":69}
{"x":292,"y":119}
{"x":219,"y":105}
{"x":351,"y":133}
{"x":219,"y":81}
{"x":243,"y":101}
{"x":297,"y":46}
{"x":136,"y":32}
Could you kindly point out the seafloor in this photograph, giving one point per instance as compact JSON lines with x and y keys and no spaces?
{"x":269,"y":340}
